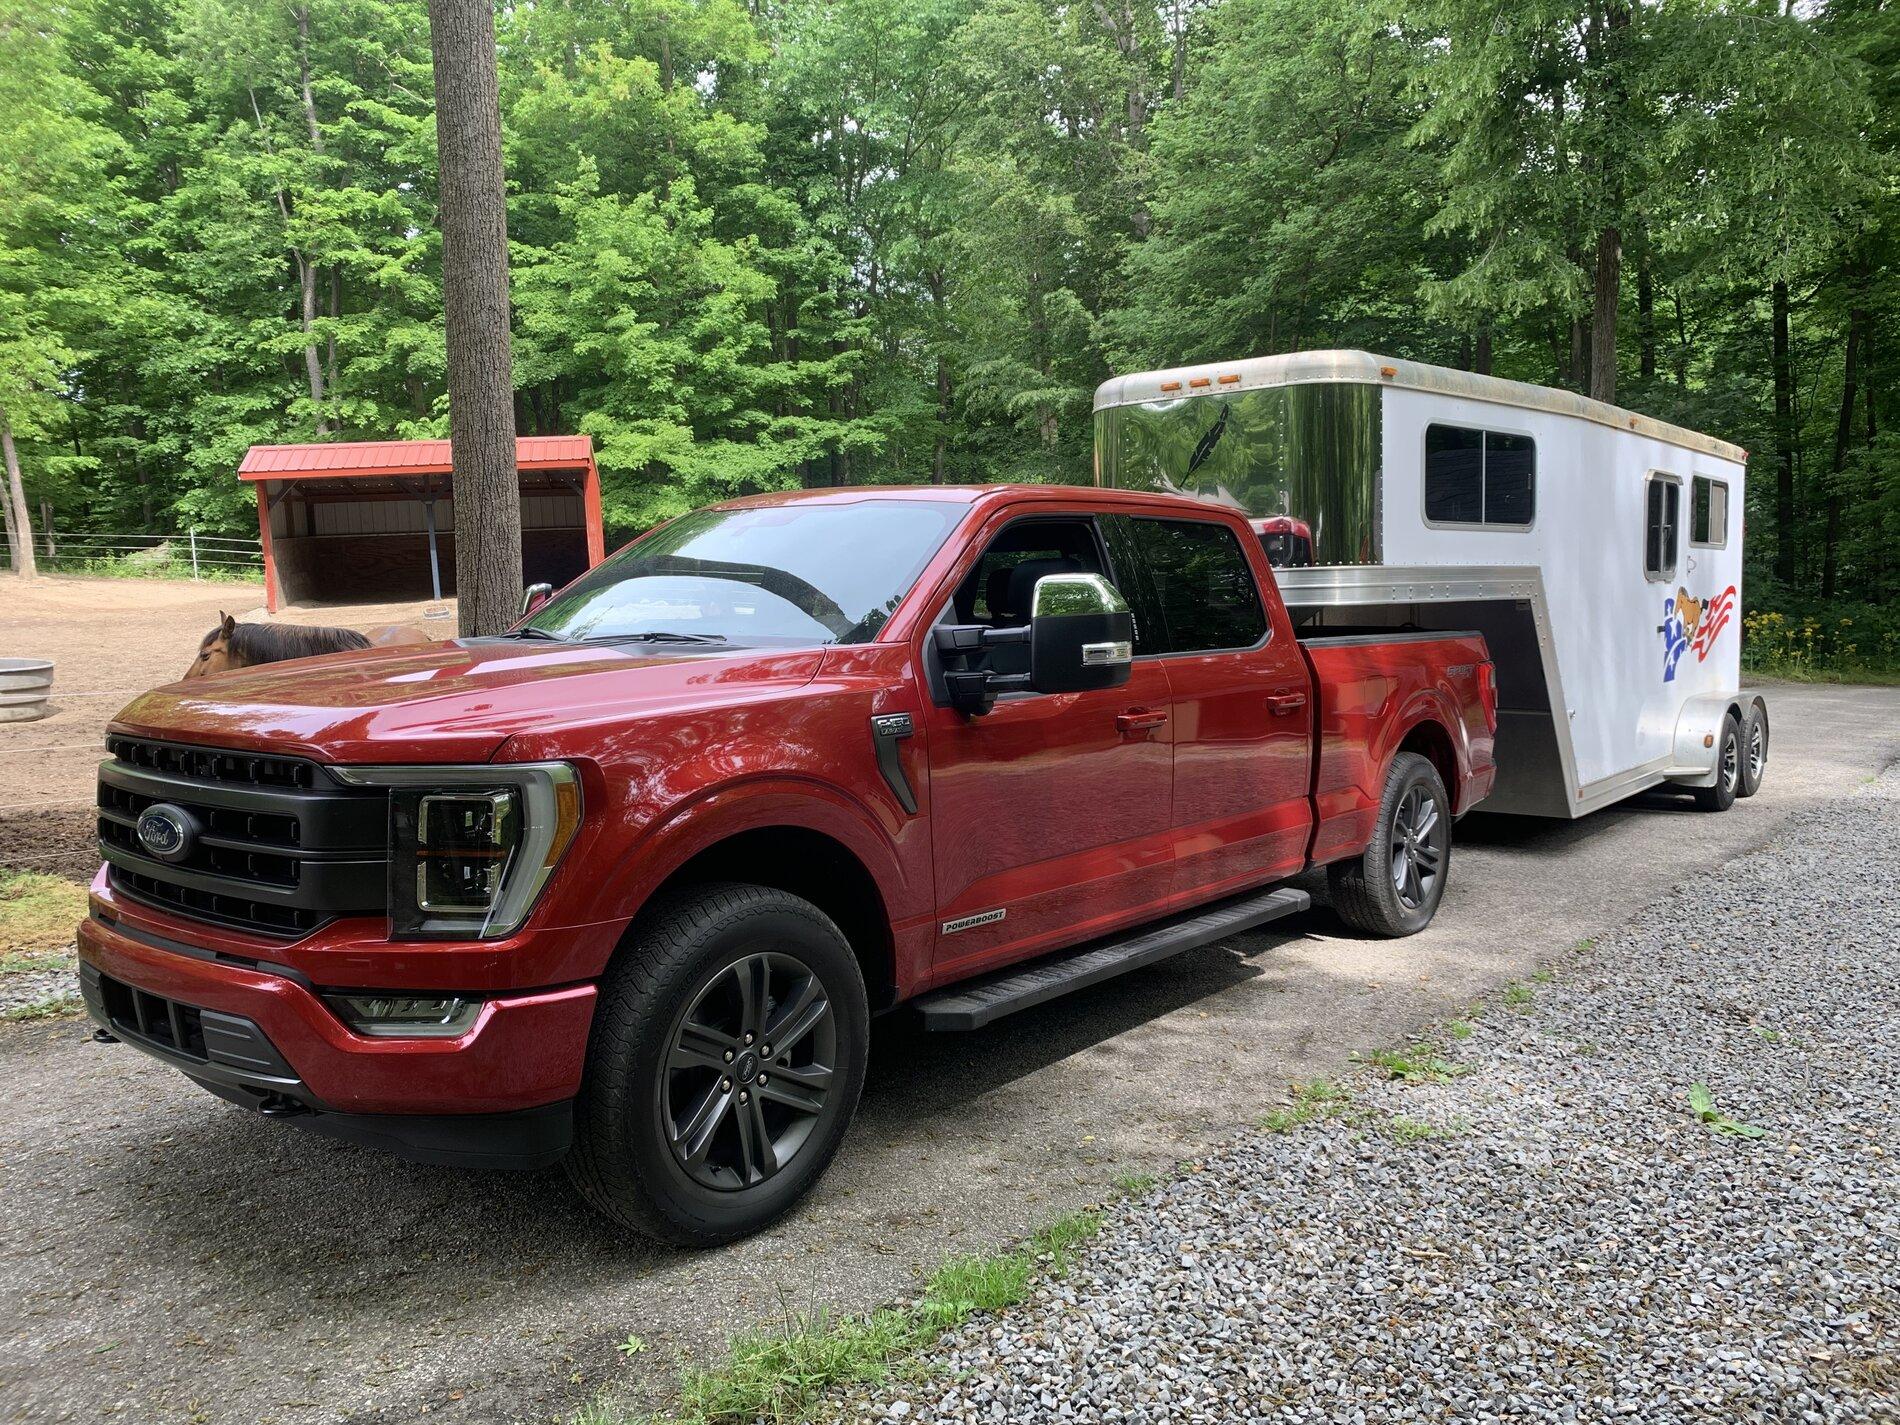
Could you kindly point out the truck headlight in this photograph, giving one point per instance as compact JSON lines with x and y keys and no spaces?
{"x":471,"y":847}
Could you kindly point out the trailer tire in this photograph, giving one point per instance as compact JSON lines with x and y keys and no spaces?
{"x":1728,"y":769}
{"x":1754,"y":750}
{"x":1394,"y":886}
{"x":707,"y":976}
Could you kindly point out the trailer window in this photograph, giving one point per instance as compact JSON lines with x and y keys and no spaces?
{"x":1664,"y":513}
{"x":1479,"y":477}
{"x":1708,"y":513}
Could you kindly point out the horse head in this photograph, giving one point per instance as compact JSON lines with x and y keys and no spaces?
{"x":214,"y":649}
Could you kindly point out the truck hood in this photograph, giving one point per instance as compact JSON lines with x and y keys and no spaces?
{"x":452,"y":701}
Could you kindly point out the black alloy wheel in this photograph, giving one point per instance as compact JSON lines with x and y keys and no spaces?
{"x":1419,"y":834}
{"x":751,"y":1064}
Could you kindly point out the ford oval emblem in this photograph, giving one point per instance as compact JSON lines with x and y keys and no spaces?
{"x":166,"y":831}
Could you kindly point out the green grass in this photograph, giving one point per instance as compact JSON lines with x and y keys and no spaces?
{"x":52,"y":1007}
{"x":38,"y":914}
{"x":1420,"y":1064}
{"x":1318,"y":1098}
{"x":1702,"y":1105}
{"x":1403,"y":1129}
{"x":1135,"y":1184}
{"x":1518,"y":996}
{"x":780,"y":1375}
{"x":1460,"y":1029}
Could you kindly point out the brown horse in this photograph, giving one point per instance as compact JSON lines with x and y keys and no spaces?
{"x":244,"y":645}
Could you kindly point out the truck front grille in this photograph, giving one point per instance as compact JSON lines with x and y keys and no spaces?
{"x":277,"y":846}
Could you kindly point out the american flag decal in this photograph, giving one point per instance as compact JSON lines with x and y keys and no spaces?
{"x":1715,"y":616}
{"x":1692,"y":623}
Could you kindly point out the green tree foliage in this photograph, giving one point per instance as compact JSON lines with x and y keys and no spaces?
{"x":812,"y":242}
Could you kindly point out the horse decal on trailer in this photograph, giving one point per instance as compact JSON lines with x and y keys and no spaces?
{"x":1693,"y":623}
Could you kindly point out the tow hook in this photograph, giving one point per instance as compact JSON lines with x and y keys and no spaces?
{"x":100,"y":1036}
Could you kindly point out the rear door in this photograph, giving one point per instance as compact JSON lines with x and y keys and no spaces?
{"x":1240,"y":701}
{"x":1050,"y":814}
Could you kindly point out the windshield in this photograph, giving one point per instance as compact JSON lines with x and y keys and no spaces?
{"x":773,"y":574}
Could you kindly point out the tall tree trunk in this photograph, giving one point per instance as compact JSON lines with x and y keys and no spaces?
{"x":1608,"y":289}
{"x":1645,"y":317}
{"x":474,"y":218}
{"x":1857,"y":321}
{"x":312,"y":353}
{"x":1481,"y":360}
{"x":19,"y":527}
{"x":306,"y":270}
{"x":1784,"y":440}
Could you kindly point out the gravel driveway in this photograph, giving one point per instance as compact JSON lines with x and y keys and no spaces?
{"x":165,"y":1257}
{"x":1551,"y":1233}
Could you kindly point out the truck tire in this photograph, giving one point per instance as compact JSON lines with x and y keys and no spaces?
{"x":693,"y":1126}
{"x":1754,"y":750}
{"x":1394,"y":886}
{"x":1728,"y":769}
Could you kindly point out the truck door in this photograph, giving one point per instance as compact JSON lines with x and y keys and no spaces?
{"x":1050,"y":814}
{"x":1241,"y":700}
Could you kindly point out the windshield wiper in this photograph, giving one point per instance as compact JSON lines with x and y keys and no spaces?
{"x":530,"y":631}
{"x":657,"y":636}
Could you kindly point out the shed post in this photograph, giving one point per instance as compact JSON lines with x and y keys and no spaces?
{"x":590,"y":498}
{"x":428,"y":523}
{"x":263,"y":534}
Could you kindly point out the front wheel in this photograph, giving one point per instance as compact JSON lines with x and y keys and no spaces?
{"x":1393,"y":888}
{"x":725,"y":1063}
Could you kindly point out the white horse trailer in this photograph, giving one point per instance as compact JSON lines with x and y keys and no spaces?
{"x":1598,"y":551}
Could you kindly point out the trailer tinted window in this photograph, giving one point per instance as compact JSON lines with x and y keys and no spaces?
{"x":1479,"y":477}
{"x":1202,"y":584}
{"x":1708,"y":515}
{"x":1664,"y":513}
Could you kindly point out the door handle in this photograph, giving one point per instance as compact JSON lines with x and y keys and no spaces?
{"x":1284,"y":703}
{"x":1140,"y":720}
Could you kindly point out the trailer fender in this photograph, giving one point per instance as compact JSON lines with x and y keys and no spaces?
{"x":1698,"y":734}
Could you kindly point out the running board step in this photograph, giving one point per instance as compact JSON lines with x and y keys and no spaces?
{"x":975,"y":1003}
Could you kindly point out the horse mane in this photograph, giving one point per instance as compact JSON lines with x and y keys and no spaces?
{"x":274,"y":642}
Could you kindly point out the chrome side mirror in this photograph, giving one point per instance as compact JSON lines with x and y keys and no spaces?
{"x":1081,"y":634}
{"x":534,"y":596}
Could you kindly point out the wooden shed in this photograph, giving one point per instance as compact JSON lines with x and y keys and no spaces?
{"x":369,"y":521}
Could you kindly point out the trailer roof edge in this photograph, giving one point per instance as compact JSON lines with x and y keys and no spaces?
{"x":1308,"y":367}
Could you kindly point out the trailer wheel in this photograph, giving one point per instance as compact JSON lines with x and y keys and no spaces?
{"x":1728,"y":769}
{"x":1754,"y":750}
{"x":1393,"y":888}
{"x":725,"y":1062}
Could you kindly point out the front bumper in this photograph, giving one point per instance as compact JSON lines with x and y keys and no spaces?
{"x":498,"y":1095}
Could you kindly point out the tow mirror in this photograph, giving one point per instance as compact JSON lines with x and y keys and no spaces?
{"x":1081,"y":635}
{"x":534,"y":596}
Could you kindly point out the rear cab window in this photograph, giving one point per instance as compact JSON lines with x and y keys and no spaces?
{"x":1194,"y":592}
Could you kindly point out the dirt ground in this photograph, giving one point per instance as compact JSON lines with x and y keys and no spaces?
{"x":110,"y":640}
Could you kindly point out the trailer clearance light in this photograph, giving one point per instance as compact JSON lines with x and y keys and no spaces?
{"x":471,"y":847}
{"x":393,"y":1016}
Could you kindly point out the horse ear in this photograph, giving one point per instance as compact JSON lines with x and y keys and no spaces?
{"x":228,"y":626}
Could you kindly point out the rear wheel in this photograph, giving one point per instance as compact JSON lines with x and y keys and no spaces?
{"x":1394,"y":887}
{"x":725,"y":1063}
{"x":1754,"y":750}
{"x":1728,"y":769}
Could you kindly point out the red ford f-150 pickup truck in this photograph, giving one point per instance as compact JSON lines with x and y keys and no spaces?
{"x":625,"y":885}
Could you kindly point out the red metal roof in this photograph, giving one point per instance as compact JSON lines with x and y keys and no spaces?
{"x":338,"y":460}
